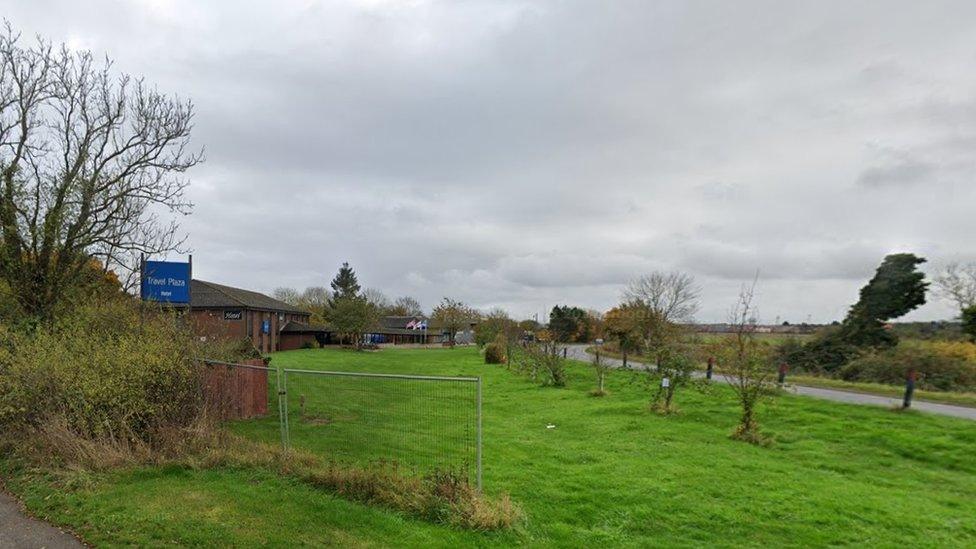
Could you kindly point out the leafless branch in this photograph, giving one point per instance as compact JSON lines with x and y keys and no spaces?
{"x":957,"y":283}
{"x":88,"y":163}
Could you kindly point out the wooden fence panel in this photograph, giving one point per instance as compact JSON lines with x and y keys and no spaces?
{"x":236,"y":392}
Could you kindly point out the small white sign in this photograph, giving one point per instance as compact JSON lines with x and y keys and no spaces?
{"x":665,"y":382}
{"x":550,"y":426}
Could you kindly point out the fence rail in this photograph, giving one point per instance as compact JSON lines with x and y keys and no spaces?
{"x":417,"y":422}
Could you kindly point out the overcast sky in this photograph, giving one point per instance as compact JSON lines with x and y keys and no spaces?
{"x":524,"y":154}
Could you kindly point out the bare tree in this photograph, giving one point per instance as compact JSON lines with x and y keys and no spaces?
{"x":88,"y":163}
{"x":672,"y":297}
{"x":602,"y":368}
{"x":288,"y":295}
{"x":315,"y":297}
{"x":377,"y":299}
{"x":544,"y":360}
{"x":406,"y":306}
{"x":747,"y":365}
{"x":957,"y":283}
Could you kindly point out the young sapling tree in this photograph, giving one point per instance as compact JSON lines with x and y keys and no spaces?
{"x":602,"y":367}
{"x":747,"y":366}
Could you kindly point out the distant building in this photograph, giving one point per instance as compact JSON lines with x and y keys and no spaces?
{"x":402,"y":330}
{"x":757,"y":328}
{"x":224,"y":312}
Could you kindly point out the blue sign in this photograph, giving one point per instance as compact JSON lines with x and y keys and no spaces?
{"x":266,"y":326}
{"x":166,"y":282}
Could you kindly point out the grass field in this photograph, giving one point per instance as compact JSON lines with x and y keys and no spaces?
{"x":957,"y":398}
{"x":422,"y":425}
{"x":609,"y":473}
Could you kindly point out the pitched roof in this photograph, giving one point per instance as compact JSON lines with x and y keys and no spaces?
{"x":205,"y":294}
{"x":397,"y":321}
{"x":295,"y":327}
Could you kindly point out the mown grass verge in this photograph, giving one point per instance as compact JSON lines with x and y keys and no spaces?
{"x":609,"y":472}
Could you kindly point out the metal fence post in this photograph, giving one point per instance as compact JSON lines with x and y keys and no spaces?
{"x":283,"y":406}
{"x":479,"y":432}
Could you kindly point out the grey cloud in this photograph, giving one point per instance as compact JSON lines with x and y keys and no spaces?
{"x":897,"y":174}
{"x":721,"y":190}
{"x":523,"y":154}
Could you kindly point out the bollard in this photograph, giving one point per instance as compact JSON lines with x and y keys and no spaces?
{"x":711,"y":366}
{"x":564,"y":351}
{"x":782,"y":373}
{"x":909,"y":389}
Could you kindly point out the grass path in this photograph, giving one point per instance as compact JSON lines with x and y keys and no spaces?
{"x":609,"y":473}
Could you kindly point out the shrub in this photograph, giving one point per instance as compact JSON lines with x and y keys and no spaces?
{"x":969,"y":322}
{"x":496,"y":351}
{"x":103,"y":373}
{"x":939,"y":365}
{"x":544,"y":362}
{"x":494,"y":354}
{"x":826,"y":354}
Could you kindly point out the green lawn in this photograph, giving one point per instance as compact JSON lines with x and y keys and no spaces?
{"x":609,"y":473}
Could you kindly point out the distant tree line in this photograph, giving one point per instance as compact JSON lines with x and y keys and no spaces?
{"x":352,"y":311}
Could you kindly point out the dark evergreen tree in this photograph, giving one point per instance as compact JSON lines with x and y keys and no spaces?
{"x":344,"y":285}
{"x":897,"y":288}
{"x":565,"y":323}
{"x":969,"y":322}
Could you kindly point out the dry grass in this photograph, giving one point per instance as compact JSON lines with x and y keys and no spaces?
{"x":441,"y":497}
{"x":55,"y":443}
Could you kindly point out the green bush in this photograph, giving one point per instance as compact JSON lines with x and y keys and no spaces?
{"x":826,"y":354}
{"x":939,"y":365}
{"x":544,"y":362}
{"x":105,"y":372}
{"x":969,"y":322}
{"x":494,"y":353}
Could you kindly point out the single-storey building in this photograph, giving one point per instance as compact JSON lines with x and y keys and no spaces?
{"x":298,"y":335}
{"x":401,"y":330}
{"x":224,"y":312}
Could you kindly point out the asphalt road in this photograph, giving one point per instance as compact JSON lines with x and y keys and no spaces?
{"x":578,"y":352}
{"x":18,"y":531}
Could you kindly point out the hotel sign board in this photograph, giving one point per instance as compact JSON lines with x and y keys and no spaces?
{"x":166,"y":282}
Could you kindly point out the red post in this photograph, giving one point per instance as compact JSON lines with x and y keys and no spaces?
{"x":782,"y":373}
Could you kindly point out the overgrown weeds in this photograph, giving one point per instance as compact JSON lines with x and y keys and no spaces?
{"x":116,"y":375}
{"x":444,"y":497}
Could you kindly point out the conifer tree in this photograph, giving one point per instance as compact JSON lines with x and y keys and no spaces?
{"x":344,"y":285}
